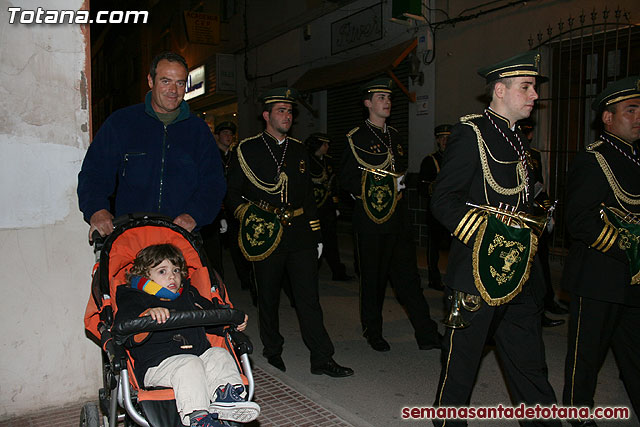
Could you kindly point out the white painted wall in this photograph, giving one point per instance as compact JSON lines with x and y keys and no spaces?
{"x":45,"y":358}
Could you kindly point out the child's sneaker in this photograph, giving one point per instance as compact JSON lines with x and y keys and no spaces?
{"x":228,"y":405}
{"x":209,"y":420}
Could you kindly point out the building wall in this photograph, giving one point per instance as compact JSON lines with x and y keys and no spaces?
{"x":45,"y":358}
{"x":462,"y":49}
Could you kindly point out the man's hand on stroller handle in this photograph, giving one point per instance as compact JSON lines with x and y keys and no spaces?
{"x":185,"y":221}
{"x":102,"y":221}
{"x":241,"y":327}
{"x":159,"y":314}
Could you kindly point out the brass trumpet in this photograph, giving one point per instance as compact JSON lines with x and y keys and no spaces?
{"x":460,"y":300}
{"x":628,"y":217}
{"x":508,"y":215}
{"x":381,"y":172}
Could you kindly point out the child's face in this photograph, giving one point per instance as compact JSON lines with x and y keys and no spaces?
{"x":167,"y":275}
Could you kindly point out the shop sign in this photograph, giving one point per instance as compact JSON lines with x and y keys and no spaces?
{"x":195,"y":83}
{"x":202,"y":27}
{"x":357,"y":29}
{"x":225,"y":73}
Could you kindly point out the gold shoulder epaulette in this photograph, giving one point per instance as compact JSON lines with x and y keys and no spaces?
{"x":328,"y":156}
{"x":470,"y":117}
{"x":251,"y":137}
{"x":594,"y":145}
{"x":391,"y":127}
{"x":354,"y":130}
{"x":535,"y":149}
{"x":296,"y":140}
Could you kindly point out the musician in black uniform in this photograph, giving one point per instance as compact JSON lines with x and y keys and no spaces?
{"x":326,"y":196}
{"x":605,"y":295}
{"x":269,"y":189}
{"x":372,"y":170}
{"x":437,"y":236}
{"x":485,"y":164}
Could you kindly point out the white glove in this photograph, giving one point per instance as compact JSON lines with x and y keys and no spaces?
{"x":319,"y":250}
{"x":223,"y":226}
{"x":551,"y":224}
{"x":400,"y":185}
{"x":337,"y":213}
{"x":537,"y":189}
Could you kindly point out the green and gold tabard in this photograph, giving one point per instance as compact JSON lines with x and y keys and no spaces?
{"x":321,"y":191}
{"x":502,"y":257}
{"x":628,"y":239}
{"x":379,"y":196}
{"x":260,"y":232}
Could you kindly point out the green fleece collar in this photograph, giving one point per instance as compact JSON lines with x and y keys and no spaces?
{"x":185,"y":111}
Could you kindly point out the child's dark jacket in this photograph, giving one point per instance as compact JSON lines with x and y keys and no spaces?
{"x":148,"y":350}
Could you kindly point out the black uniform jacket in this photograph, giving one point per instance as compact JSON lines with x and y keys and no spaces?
{"x":461,"y":180}
{"x":590,"y":272}
{"x":299,"y":193}
{"x":324,"y":184}
{"x":369,"y":142}
{"x":429,"y":169}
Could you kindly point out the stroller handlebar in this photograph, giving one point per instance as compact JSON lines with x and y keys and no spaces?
{"x":178,"y":319}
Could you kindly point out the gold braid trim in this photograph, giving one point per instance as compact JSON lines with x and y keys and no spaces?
{"x":619,"y":192}
{"x":607,"y":237}
{"x":281,"y":186}
{"x":486,"y":170}
{"x":382,"y":165}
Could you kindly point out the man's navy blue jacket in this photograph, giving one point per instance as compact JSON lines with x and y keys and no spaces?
{"x":150,"y":167}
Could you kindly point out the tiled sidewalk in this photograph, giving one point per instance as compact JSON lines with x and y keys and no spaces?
{"x":281,"y":406}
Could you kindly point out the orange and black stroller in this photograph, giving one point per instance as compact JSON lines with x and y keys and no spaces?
{"x":122,"y":398}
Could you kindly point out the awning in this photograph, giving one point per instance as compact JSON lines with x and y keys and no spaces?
{"x":353,"y":70}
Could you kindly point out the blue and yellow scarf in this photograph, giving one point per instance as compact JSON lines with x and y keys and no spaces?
{"x":152,"y":288}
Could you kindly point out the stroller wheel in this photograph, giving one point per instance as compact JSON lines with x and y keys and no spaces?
{"x":89,"y":415}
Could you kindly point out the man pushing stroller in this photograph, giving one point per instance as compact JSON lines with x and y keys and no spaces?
{"x":205,"y":379}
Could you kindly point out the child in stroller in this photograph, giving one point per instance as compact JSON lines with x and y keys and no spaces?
{"x":122,"y":388}
{"x":205,"y":379}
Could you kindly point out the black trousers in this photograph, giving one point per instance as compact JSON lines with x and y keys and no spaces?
{"x":594,"y":326}
{"x":517,"y":331}
{"x":302,"y":270}
{"x":437,"y":238}
{"x":384,"y":257}
{"x":240,"y":263}
{"x":212,"y":244}
{"x":543,"y":255}
{"x":330,"y":250}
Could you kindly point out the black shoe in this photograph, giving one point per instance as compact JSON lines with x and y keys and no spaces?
{"x":341,"y":277}
{"x":588,"y":423}
{"x":430,"y":345}
{"x":277,"y":362}
{"x":378,"y":343}
{"x":332,"y":369}
{"x":550,"y":323}
{"x":554,"y":308}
